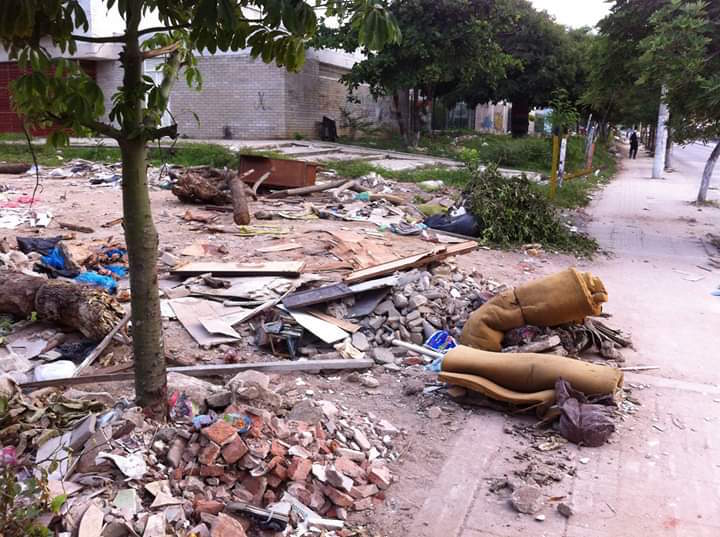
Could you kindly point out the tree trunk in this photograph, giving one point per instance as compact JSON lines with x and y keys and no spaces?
{"x":140,"y":234}
{"x":520,"y":115}
{"x":668,"y":150}
{"x":89,"y":310}
{"x":400,"y":99}
{"x":241,"y":212}
{"x":707,"y":174}
{"x":14,"y":169}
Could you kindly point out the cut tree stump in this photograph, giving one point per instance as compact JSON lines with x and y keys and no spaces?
{"x":89,"y":310}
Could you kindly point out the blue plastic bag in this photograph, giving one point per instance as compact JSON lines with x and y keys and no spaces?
{"x":119,"y":270}
{"x":54,"y":259}
{"x":98,"y":280}
{"x":441,"y":341}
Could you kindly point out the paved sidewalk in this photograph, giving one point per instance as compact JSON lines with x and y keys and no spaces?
{"x":660,"y":475}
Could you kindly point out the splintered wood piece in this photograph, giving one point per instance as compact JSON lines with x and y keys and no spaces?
{"x":414,"y":261}
{"x":270,"y":268}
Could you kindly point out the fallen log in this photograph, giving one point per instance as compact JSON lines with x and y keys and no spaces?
{"x":208,"y":186}
{"x":14,"y":169}
{"x":89,"y":310}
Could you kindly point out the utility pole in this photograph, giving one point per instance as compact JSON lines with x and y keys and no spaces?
{"x":661,"y":137}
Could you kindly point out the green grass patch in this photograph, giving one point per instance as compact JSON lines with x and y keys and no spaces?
{"x":358,"y":168}
{"x":50,"y":156}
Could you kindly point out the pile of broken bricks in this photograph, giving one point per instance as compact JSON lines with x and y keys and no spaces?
{"x":234,"y":468}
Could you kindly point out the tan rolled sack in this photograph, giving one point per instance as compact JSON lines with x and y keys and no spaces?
{"x":525,"y":378}
{"x":566,"y":297}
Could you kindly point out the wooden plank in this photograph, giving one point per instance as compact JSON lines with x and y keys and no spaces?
{"x":327,"y":332}
{"x":270,"y":268}
{"x":389,"y":281}
{"x":97,"y":351}
{"x":190,"y":312}
{"x":282,"y":366}
{"x":341,"y":323}
{"x":407,"y":263}
{"x":279,"y":248}
{"x":320,"y":295}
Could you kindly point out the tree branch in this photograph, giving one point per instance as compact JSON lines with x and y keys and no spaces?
{"x":105,"y":129}
{"x":155,"y":134}
{"x":161,"y":51}
{"x":158,"y":29}
{"x":106,"y":39}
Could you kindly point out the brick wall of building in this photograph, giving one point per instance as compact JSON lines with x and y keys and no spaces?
{"x":9,"y":71}
{"x":254,"y":100}
{"x":240,"y":93}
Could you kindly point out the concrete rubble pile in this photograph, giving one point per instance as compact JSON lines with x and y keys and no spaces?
{"x":236,"y":462}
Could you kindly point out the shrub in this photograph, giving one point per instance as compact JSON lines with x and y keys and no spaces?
{"x":512,"y":211}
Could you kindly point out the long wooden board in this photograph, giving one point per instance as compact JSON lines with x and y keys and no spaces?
{"x":269,"y":268}
{"x":410,"y":262}
{"x":283,"y":366}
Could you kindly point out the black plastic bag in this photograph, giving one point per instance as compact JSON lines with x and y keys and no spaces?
{"x":465,"y":224}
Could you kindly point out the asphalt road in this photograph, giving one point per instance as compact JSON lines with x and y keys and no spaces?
{"x":690,"y":161}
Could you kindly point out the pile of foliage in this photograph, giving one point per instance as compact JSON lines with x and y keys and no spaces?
{"x":513,"y":211}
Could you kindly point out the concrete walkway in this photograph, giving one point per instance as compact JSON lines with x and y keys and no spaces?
{"x":660,"y":475}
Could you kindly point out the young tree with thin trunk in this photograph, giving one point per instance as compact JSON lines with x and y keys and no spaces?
{"x":683,"y":53}
{"x":56,"y":93}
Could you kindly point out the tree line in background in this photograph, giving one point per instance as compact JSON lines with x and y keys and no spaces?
{"x":647,"y":47}
{"x":475,"y":51}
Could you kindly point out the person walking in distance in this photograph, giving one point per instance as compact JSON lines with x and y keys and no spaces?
{"x":633,"y":144}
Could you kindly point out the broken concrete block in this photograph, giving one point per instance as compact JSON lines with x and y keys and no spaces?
{"x":416,"y":301}
{"x":338,"y":497}
{"x":220,"y":432}
{"x":234,"y":451}
{"x":227,"y":526}
{"x":528,"y":499}
{"x":351,"y":454}
{"x":379,"y":475}
{"x":208,"y":506}
{"x":209,"y":453}
{"x":360,"y":341}
{"x":363,"y":504}
{"x":361,"y":439}
{"x":299,"y":469}
{"x":349,"y":468}
{"x":364,"y":491}
{"x":337,"y":479}
{"x":382,"y":355}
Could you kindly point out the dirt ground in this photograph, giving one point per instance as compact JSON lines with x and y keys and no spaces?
{"x":424,"y":444}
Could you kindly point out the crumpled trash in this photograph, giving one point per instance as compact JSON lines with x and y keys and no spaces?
{"x":581,"y":422}
{"x":42,"y":245}
{"x":181,"y":406}
{"x":441,"y":341}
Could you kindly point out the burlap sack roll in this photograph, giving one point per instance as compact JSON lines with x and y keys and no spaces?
{"x":565,"y":297}
{"x":544,"y":398}
{"x":529,"y":373}
{"x":487,"y":325}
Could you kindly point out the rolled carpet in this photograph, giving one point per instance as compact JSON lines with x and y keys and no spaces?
{"x":565,"y":297}
{"x":527,"y":373}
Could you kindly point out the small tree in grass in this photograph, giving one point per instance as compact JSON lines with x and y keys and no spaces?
{"x":56,"y":93}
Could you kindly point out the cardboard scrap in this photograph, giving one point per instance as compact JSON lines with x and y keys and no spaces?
{"x":191,"y":312}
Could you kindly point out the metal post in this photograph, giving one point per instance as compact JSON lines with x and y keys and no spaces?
{"x":553,"y":170}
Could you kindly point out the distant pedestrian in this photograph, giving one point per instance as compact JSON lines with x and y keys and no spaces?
{"x":633,"y":144}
